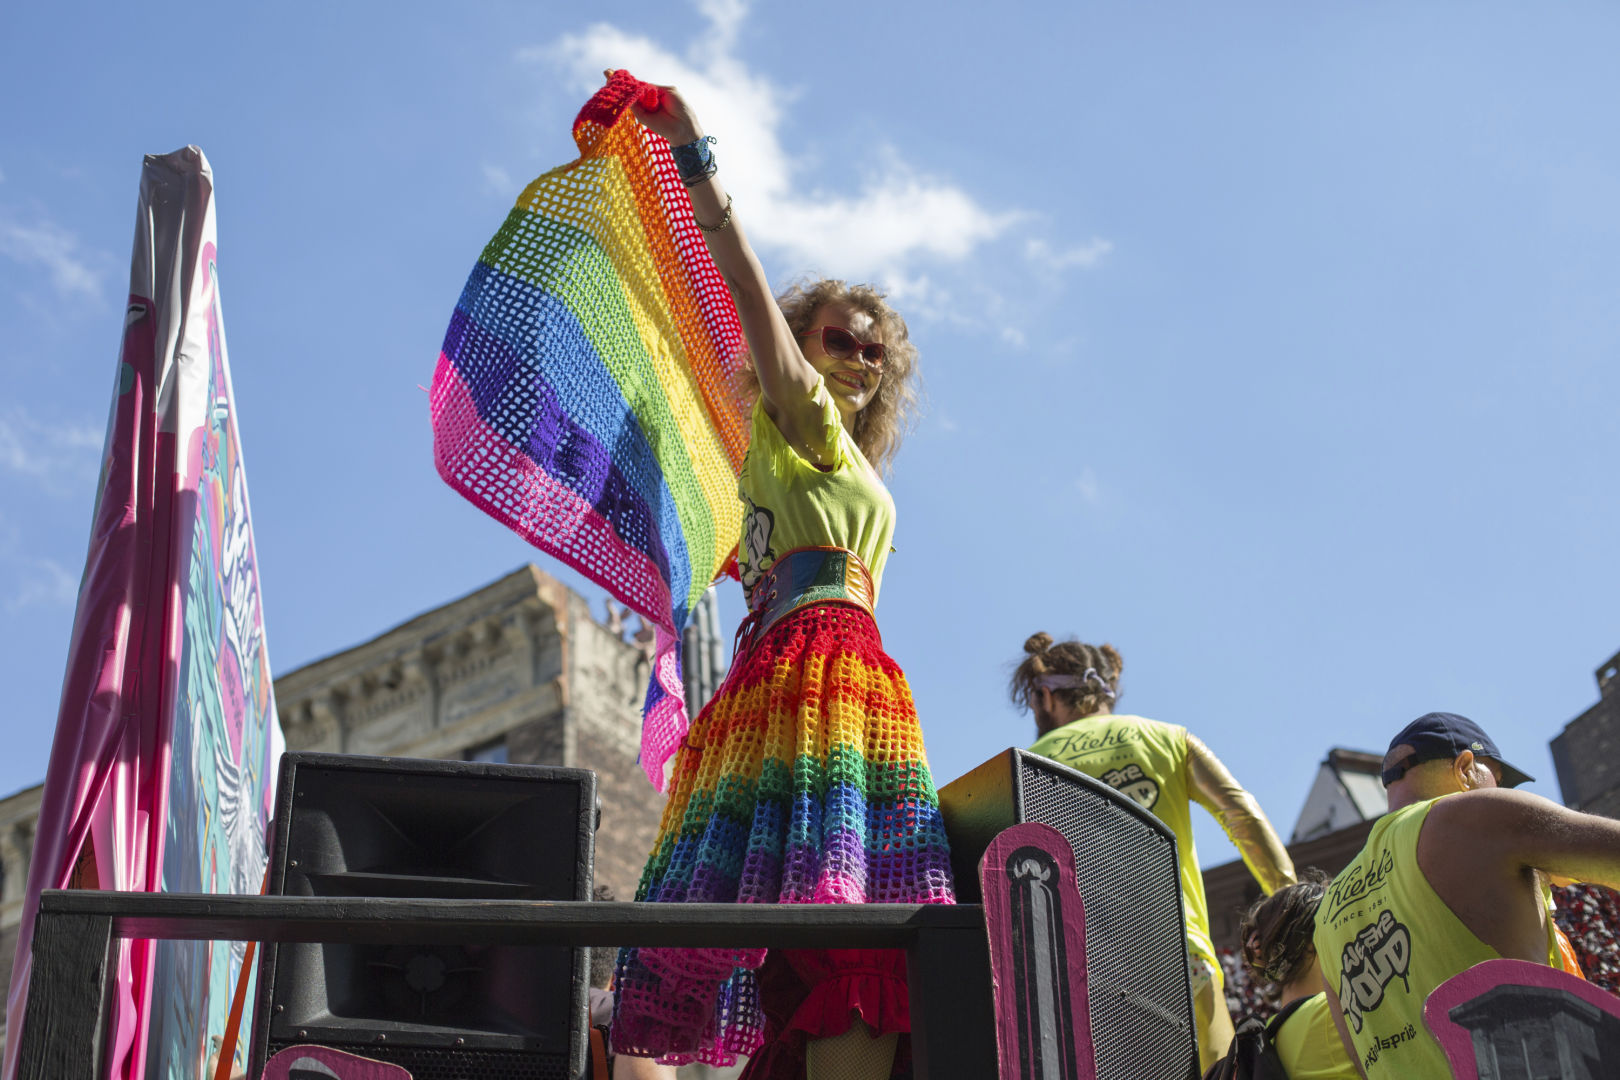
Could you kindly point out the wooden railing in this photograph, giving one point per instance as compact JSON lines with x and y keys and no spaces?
{"x":953,"y":1030}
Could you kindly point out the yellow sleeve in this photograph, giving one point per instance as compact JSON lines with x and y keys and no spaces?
{"x":1214,"y":788}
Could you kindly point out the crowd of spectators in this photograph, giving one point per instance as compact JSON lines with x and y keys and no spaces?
{"x":1589,"y":915}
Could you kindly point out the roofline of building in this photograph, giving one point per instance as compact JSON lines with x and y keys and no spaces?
{"x":1606,"y":686}
{"x":1597,"y":706}
{"x":27,"y":789}
{"x":527,"y":579}
{"x":1605,"y":674}
{"x":1359,"y":760}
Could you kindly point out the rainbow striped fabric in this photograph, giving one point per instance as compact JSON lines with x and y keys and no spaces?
{"x":804,"y":781}
{"x":585,"y":395}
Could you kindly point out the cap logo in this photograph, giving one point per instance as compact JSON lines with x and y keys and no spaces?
{"x":1476,"y":746}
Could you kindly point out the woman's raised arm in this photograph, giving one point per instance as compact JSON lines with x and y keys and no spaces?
{"x":786,"y":379}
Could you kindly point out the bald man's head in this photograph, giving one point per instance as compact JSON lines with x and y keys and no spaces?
{"x":1432,"y":777}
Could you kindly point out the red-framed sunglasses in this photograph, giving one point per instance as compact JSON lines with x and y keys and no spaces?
{"x":840,"y":344}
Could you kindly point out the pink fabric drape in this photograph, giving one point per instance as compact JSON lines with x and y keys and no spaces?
{"x":108,"y":780}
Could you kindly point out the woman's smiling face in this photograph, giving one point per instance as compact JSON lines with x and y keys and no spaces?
{"x":852,"y":381}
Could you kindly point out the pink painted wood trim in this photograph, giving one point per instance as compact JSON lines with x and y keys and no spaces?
{"x":344,"y":1066}
{"x":1020,"y":1052}
{"x":1455,"y":1039}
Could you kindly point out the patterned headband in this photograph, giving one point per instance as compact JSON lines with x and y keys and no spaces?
{"x":1076,"y":682}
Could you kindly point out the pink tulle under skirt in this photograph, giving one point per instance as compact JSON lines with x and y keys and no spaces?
{"x":814,"y":994}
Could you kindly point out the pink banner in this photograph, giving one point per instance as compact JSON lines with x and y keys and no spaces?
{"x":167,"y":677}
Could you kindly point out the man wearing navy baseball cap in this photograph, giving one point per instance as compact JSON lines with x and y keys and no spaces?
{"x":1458,"y":872}
{"x":1443,"y":736}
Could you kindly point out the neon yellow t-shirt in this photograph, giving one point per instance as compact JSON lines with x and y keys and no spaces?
{"x":1386,"y":940}
{"x":789,"y":503}
{"x":1309,"y":1045}
{"x":1147,"y":760}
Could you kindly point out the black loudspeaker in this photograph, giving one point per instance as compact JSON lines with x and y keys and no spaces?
{"x":1130,"y":887}
{"x":399,"y":827}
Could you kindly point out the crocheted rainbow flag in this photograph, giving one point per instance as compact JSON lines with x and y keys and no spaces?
{"x":585,"y":393}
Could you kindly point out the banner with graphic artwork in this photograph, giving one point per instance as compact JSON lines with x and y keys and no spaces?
{"x":162,"y":770}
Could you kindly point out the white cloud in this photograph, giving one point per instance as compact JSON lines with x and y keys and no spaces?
{"x":36,"y":581}
{"x":896,"y":217}
{"x":726,"y":17}
{"x":57,"y":456}
{"x":46,"y":582}
{"x":1086,"y":485}
{"x":46,"y":244}
{"x":500,"y":182}
{"x":1085,"y":256}
{"x":1014,"y":337}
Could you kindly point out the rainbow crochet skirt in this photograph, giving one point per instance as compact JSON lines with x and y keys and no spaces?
{"x":802,"y":782}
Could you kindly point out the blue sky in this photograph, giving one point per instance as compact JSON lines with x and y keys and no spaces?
{"x":1275,"y":344}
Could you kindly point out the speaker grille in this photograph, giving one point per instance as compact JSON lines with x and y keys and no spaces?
{"x":440,"y":1064}
{"x":1136,"y":958}
{"x":403,"y":828}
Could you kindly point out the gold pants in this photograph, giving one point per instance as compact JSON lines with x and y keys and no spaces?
{"x":1209,"y":1011}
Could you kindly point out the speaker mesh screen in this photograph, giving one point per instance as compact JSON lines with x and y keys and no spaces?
{"x":425,"y":1063}
{"x":1136,"y":953}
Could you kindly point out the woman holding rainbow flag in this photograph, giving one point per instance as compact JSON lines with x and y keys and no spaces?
{"x":804,"y":779}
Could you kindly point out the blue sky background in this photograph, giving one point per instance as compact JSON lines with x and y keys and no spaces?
{"x":1274,"y":344}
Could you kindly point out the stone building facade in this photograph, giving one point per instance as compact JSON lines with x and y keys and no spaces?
{"x":19,"y":814}
{"x":1587,"y":752}
{"x":518,"y":671}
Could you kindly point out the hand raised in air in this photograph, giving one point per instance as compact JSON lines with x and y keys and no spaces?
{"x":673,"y":118}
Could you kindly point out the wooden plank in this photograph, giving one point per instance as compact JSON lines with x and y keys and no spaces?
{"x":1037,"y":931}
{"x":517,"y":922}
{"x":67,"y":997}
{"x":952,"y":1013}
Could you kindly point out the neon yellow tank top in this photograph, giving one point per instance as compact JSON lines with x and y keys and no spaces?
{"x":1386,"y":940}
{"x":789,"y":503}
{"x":1147,"y":760}
{"x":1309,"y":1045}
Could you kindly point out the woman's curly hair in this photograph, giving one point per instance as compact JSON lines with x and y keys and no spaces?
{"x":1276,"y":932}
{"x":881,"y":425}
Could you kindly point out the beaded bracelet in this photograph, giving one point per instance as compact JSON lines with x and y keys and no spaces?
{"x":695,"y":161}
{"x":725,"y":219}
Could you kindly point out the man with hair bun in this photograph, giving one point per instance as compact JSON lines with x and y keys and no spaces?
{"x":1071,"y":688}
{"x":1458,"y":872}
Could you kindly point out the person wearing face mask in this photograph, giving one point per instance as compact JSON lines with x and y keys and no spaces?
{"x":1071,"y":687}
{"x":804,"y":779}
{"x":1458,"y":872}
